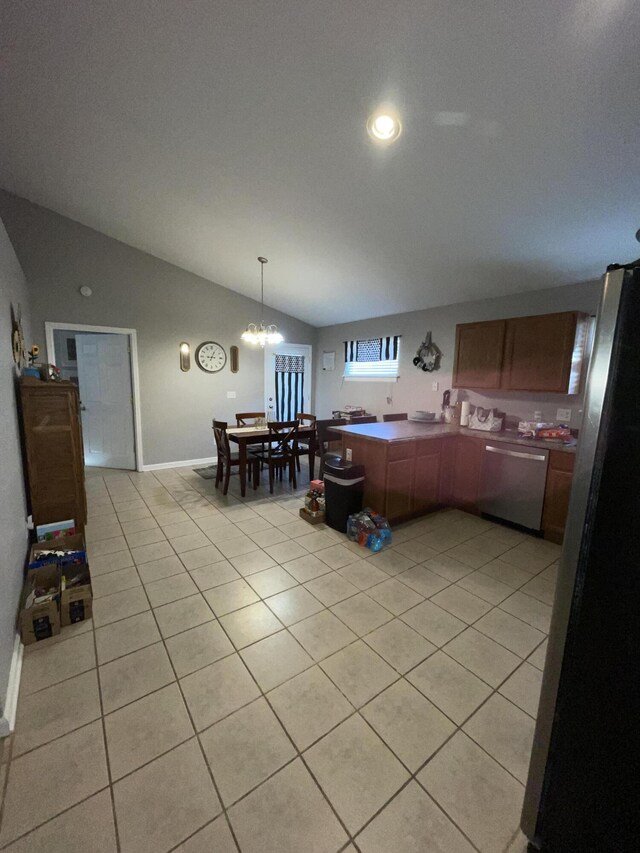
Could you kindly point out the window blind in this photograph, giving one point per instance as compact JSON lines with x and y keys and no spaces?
{"x":372,"y":359}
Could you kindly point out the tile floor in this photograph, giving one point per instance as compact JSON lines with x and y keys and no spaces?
{"x":251,"y":683}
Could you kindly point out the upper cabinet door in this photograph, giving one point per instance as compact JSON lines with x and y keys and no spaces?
{"x":543,"y":353}
{"x":479,"y":354}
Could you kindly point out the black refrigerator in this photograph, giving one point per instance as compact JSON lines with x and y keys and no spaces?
{"x":583,"y":790}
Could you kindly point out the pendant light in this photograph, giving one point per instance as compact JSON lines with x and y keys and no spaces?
{"x":262,"y":334}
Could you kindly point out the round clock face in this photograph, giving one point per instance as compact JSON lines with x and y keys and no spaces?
{"x":211,"y":357}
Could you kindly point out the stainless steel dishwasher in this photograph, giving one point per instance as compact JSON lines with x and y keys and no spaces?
{"x":513,"y":482}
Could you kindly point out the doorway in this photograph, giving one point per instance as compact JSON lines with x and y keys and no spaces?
{"x":102,"y":361}
{"x":287,"y":380}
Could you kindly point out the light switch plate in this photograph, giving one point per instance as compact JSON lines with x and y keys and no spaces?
{"x":231,"y":395}
{"x":563,"y":415}
{"x":435,"y":385}
{"x":348,"y":454}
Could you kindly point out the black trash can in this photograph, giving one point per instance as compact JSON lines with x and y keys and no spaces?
{"x":343,"y":490}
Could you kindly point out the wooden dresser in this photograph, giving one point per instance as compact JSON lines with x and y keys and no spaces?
{"x":54,"y":455}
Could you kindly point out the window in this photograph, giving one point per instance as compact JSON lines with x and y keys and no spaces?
{"x":373,"y":359}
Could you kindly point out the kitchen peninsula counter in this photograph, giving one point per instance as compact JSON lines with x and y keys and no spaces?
{"x":415,"y":430}
{"x":413,"y":468}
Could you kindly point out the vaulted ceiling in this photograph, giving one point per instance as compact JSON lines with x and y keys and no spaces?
{"x":209,"y":132}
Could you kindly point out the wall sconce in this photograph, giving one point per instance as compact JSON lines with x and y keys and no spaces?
{"x":235,"y":359}
{"x":185,"y":356}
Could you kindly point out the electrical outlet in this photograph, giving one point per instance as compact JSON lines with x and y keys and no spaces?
{"x":231,"y":395}
{"x":348,"y":454}
{"x":563,"y":415}
{"x":435,"y":386}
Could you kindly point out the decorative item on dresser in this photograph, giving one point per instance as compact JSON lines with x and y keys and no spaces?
{"x":52,"y":435}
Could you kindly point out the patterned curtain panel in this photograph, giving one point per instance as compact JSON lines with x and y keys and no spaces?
{"x":372,"y":349}
{"x":289,"y":386}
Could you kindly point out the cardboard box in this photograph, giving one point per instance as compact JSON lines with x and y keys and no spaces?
{"x":76,"y":596}
{"x":64,"y":543}
{"x":40,"y":621}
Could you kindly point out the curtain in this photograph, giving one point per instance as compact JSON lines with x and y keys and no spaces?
{"x":372,"y":349}
{"x":289,"y":386}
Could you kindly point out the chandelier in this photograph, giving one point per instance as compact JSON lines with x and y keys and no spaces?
{"x":262,"y":334}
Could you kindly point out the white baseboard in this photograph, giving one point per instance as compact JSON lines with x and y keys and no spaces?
{"x":185,"y":463}
{"x":8,"y":718}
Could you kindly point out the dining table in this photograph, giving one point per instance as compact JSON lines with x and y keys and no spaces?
{"x":245,"y":436}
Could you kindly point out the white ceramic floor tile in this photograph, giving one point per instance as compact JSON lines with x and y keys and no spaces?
{"x":76,"y":762}
{"x":308,"y":706}
{"x":198,"y":647}
{"x":412,"y":823}
{"x":408,"y":723}
{"x":145,"y":729}
{"x":217,"y":690}
{"x":523,"y":688}
{"x":488,"y":660}
{"x":322,"y":634}
{"x":293,"y":605}
{"x":133,"y":676}
{"x":401,"y":646}
{"x":361,"y":613}
{"x":505,"y":732}
{"x":455,"y":690}
{"x":250,"y":624}
{"x":245,"y":749}
{"x":479,"y":795}
{"x":359,"y":672}
{"x":356,"y":771}
{"x":275,"y":659}
{"x":151,"y":817}
{"x":287,"y":814}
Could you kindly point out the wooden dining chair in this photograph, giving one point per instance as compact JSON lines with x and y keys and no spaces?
{"x":281,"y":451}
{"x":325,"y":438}
{"x":307,"y":445}
{"x":248,"y":418}
{"x":228,"y":460}
{"x":397,"y":417}
{"x":364,"y":419}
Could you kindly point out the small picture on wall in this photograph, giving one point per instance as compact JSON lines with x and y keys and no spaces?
{"x":72,"y":354}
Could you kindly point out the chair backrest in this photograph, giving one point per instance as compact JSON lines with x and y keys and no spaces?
{"x":283,"y":439}
{"x":221,"y":437}
{"x":364,"y":419}
{"x":305,"y":420}
{"x":325,"y":436}
{"x":398,"y":417}
{"x":248,"y":418}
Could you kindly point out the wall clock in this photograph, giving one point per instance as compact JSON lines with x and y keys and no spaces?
{"x":210,"y":357}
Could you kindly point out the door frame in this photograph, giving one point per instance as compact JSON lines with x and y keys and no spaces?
{"x":272,"y":349}
{"x":49,"y":328}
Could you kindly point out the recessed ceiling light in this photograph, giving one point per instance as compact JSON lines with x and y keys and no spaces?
{"x":384,"y":125}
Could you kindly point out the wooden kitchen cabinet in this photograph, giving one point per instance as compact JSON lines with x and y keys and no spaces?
{"x":544,"y":352}
{"x":467,"y":467}
{"x":426,"y":484}
{"x":479,"y":354}
{"x":541,"y":352}
{"x":52,"y":435}
{"x":557,"y":494}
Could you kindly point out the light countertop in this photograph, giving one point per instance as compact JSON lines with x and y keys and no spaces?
{"x":413,"y":430}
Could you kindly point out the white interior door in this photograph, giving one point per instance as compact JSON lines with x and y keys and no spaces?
{"x":287,"y":380}
{"x":104,"y":377}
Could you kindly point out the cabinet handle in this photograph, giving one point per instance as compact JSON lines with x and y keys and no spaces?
{"x":501,"y":452}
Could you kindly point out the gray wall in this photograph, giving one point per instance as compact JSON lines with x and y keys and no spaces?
{"x":165,"y":304}
{"x":13,"y":510}
{"x":414,"y":388}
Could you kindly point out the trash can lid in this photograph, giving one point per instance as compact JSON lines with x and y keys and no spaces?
{"x":341,"y":469}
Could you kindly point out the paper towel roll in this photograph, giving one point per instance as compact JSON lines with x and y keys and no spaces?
{"x":464,"y":413}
